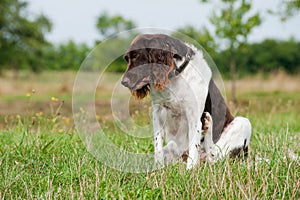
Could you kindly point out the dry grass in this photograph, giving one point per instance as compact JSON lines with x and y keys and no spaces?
{"x":48,"y":84}
{"x":279,"y":81}
{"x":60,"y":84}
{"x":45,"y":83}
{"x":42,"y":157}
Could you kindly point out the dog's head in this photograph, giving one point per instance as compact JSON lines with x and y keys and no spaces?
{"x":151,"y":58}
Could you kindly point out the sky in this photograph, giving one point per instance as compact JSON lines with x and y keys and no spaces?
{"x":76,"y":19}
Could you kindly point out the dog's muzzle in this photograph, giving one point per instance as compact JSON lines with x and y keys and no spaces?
{"x":137,"y":77}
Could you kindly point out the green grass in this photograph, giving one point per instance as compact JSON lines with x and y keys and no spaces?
{"x":43,"y":158}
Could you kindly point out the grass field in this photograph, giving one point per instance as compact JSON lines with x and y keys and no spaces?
{"x":42,"y":156}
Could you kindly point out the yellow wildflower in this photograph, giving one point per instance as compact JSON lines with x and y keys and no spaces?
{"x":54,"y":99}
{"x":39,"y":114}
{"x":67,"y":120}
{"x":97,"y":117}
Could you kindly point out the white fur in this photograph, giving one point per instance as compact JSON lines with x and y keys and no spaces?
{"x":236,"y":135}
{"x":177,"y":110}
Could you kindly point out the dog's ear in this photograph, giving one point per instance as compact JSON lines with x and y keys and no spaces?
{"x":178,"y":60}
{"x":160,"y":75}
{"x":180,"y":51}
{"x":161,"y":64}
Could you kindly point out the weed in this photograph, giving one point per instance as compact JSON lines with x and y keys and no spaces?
{"x":42,"y":157}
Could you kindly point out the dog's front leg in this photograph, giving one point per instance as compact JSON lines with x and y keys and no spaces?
{"x":194,"y":134}
{"x":158,"y":135}
{"x":209,"y":146}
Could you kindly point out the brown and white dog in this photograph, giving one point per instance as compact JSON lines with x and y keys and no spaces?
{"x":188,"y":111}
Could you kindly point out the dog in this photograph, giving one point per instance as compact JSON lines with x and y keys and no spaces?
{"x":189,"y":113}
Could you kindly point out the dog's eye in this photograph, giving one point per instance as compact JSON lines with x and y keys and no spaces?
{"x":159,"y":56}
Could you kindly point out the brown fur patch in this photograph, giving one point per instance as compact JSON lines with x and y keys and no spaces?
{"x":151,"y":56}
{"x":238,"y":152}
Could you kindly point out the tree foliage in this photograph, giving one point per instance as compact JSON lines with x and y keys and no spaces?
{"x":287,"y":9}
{"x":270,"y":55}
{"x":23,"y":44}
{"x":22,"y":36}
{"x":263,"y":57}
{"x":108,"y":25}
{"x":251,"y":58}
{"x":65,"y":56}
{"x":202,"y":36}
{"x":233,"y":23}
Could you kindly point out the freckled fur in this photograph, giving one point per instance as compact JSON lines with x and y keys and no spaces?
{"x":187,"y":109}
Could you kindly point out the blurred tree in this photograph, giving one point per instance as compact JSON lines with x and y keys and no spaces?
{"x":21,"y":36}
{"x":287,"y":9}
{"x":109,"y":25}
{"x":64,"y":56}
{"x":202,"y":36}
{"x":72,"y":55}
{"x":270,"y":55}
{"x":233,"y":22}
{"x":109,"y":56}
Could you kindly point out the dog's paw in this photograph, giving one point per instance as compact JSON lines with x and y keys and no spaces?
{"x":191,"y":163}
{"x":206,"y":122}
{"x":193,"y":158}
{"x":170,"y":152}
{"x":213,"y":154}
{"x":159,"y":158}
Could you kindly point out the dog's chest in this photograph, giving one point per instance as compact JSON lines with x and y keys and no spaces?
{"x":175,"y":124}
{"x":172,"y":104}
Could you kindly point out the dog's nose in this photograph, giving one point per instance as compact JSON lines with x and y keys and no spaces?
{"x":125,"y":81}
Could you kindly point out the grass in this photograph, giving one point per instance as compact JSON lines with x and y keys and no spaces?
{"x":42,"y":157}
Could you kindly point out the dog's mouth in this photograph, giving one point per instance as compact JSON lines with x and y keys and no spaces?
{"x":140,"y":88}
{"x":141,"y":92}
{"x":145,"y":82}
